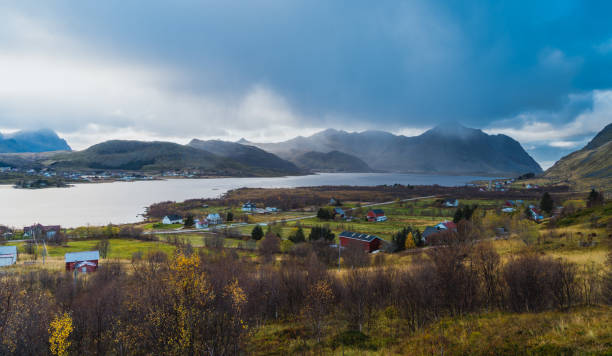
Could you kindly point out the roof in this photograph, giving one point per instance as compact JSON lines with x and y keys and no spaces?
{"x":8,"y":250}
{"x":82,"y":256}
{"x":378,"y":211}
{"x":450,"y":225}
{"x":430,"y":230}
{"x":44,"y":228}
{"x":174,"y":217}
{"x":339,"y":210}
{"x":213,"y":216}
{"x":358,"y":236}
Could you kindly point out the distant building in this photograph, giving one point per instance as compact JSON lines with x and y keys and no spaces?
{"x":429,"y":231}
{"x":172,"y":219}
{"x":85,"y":261}
{"x":39,"y":231}
{"x":451,"y":202}
{"x":446,"y":225}
{"x":248,"y":206}
{"x":271,"y":209}
{"x":369,"y":243}
{"x":376,"y":215}
{"x":8,"y":255}
{"x":201,"y":223}
{"x":214,"y":219}
{"x":339,"y":213}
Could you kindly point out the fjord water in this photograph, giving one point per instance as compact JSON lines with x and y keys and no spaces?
{"x":124,"y":202}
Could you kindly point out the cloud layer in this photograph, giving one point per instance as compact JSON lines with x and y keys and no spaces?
{"x":269,"y":70}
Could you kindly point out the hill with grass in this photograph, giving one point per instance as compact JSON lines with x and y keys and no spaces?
{"x":250,"y":156}
{"x":147,"y":156}
{"x":589,"y":166}
{"x":334,"y":161}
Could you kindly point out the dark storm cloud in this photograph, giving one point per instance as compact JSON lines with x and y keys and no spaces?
{"x":402,"y":62}
{"x":393,"y":63}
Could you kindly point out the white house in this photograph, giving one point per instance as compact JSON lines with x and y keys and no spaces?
{"x":451,"y":203}
{"x":270,"y":209}
{"x":201,"y":223}
{"x":8,"y":255}
{"x":248,"y":206}
{"x":172,"y":219}
{"x":214,"y":219}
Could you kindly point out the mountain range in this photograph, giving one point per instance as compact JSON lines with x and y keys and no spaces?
{"x":445,"y":149}
{"x":589,"y":166}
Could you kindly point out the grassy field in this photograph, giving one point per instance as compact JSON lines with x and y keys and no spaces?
{"x":582,"y":331}
{"x":119,"y":248}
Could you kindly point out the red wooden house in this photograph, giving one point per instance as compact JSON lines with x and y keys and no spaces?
{"x":376,"y":215}
{"x":86,"y":261}
{"x":369,"y":243}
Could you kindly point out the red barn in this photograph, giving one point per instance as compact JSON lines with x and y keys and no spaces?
{"x":85,"y":261}
{"x":369,"y":243}
{"x":376,"y":215}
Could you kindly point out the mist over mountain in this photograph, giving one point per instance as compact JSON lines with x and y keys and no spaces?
{"x":32,"y":141}
{"x":445,"y":149}
{"x":333,"y":161}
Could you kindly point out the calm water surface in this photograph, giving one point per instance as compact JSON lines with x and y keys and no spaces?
{"x":122,"y":202}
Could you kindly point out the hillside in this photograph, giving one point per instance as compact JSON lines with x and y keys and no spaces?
{"x":32,"y":141}
{"x":333,"y":161}
{"x":250,"y":156}
{"x":590,"y":166}
{"x":446,"y":149}
{"x":146,"y":156}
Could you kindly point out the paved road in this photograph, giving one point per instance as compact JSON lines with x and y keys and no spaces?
{"x":185,"y":231}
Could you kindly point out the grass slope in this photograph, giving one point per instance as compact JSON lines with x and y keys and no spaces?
{"x":585,"y":168}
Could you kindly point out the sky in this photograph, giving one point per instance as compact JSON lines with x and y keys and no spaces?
{"x":540,"y":72}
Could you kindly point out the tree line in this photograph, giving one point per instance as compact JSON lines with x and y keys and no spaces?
{"x":198,"y":302}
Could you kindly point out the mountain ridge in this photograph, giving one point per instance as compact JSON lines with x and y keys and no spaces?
{"x":453,"y":149}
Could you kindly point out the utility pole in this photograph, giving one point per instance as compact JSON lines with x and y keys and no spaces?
{"x":339,"y":254}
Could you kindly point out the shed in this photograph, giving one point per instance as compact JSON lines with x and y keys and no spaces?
{"x":8,"y":255}
{"x":369,"y":243}
{"x":84,"y":261}
{"x":172,"y":219}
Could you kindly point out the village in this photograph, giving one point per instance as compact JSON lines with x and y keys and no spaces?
{"x":370,"y":226}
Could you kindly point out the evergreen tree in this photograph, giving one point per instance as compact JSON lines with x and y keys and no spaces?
{"x":546,"y":204}
{"x":464,"y":212}
{"x":321,"y":232}
{"x":229,"y":216}
{"x":189,"y":221}
{"x":324,"y":214}
{"x":595,"y":198}
{"x":257,"y":233}
{"x":298,"y":236}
